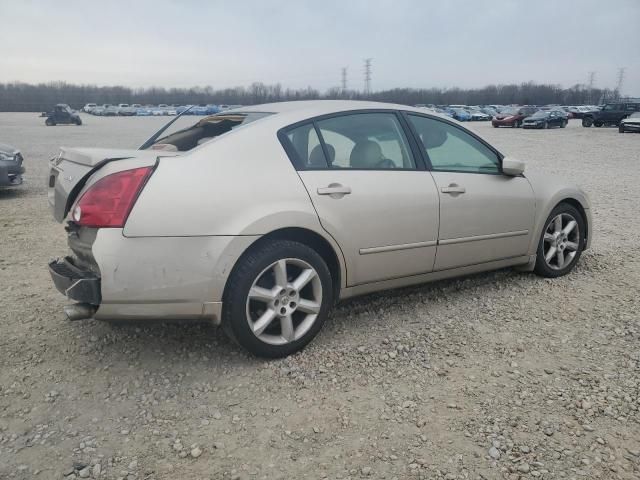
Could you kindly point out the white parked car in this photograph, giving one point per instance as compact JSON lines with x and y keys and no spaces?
{"x":88,"y":107}
{"x":125,"y":110}
{"x":261,"y":218}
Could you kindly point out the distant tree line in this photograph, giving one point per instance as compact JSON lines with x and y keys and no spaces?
{"x":24,"y":97}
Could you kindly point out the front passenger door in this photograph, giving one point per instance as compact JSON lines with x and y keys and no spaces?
{"x":484,"y":215}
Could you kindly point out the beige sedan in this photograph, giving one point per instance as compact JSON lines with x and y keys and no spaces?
{"x":260,"y":219}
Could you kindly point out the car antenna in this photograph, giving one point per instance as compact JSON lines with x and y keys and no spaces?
{"x":155,"y":136}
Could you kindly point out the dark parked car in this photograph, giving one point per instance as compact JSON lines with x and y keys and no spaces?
{"x":62,"y":114}
{"x":11,"y":168}
{"x":630,"y":124}
{"x":546,"y":119}
{"x":512,"y":116}
{"x":610,"y":114}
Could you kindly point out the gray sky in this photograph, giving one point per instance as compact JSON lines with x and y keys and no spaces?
{"x":414,"y":43}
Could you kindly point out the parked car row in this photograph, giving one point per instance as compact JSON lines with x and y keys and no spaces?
{"x":547,"y":116}
{"x":136,"y":109}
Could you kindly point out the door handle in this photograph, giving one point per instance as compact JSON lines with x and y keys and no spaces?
{"x":453,"y":189}
{"x":334,"y":189}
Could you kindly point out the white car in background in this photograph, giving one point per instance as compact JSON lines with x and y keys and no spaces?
{"x":89,"y":107}
{"x":125,"y":110}
{"x":261,"y":218}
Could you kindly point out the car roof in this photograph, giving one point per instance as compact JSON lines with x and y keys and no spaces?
{"x":287,"y":113}
{"x":312,"y":108}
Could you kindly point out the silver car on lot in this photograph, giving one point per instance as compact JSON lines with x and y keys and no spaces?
{"x":261,"y":218}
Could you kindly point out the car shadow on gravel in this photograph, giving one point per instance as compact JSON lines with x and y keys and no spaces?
{"x":202,"y":340}
{"x":162,"y":343}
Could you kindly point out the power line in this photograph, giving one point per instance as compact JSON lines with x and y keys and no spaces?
{"x":367,"y":76}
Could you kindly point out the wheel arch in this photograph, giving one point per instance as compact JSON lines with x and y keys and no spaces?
{"x":578,"y":206}
{"x":330,"y":253}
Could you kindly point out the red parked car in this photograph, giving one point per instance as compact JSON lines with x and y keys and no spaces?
{"x":513,"y":116}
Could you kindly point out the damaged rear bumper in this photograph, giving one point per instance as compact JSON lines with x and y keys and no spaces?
{"x":74,"y":282}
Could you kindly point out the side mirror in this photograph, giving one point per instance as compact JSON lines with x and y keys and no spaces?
{"x":512,"y":167}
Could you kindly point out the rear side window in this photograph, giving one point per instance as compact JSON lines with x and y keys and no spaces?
{"x":362,"y":141}
{"x":451,"y":149}
{"x":366,"y":141}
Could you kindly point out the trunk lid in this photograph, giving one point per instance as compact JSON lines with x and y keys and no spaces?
{"x":70,"y":169}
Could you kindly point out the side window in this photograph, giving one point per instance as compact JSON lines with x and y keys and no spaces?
{"x":451,"y":149}
{"x":371,"y":141}
{"x":307,"y":146}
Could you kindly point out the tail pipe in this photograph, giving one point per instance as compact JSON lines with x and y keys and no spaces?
{"x":80,"y":311}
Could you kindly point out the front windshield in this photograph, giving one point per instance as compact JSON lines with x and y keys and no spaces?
{"x":205,"y":129}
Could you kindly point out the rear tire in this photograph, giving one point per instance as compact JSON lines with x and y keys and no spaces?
{"x":561,"y":244}
{"x":49,"y":122}
{"x":277,"y":299}
{"x":78,"y":122}
{"x":563,"y":124}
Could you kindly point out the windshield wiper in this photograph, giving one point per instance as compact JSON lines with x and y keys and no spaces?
{"x":156,"y":135}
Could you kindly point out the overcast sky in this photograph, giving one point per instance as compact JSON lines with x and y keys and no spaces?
{"x":299,"y":43}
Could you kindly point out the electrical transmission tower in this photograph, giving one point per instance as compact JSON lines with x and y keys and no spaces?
{"x":592,"y":79}
{"x":367,"y":76}
{"x":620,"y":80}
{"x":344,"y":79}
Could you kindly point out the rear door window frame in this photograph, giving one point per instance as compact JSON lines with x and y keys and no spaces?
{"x":299,"y":164}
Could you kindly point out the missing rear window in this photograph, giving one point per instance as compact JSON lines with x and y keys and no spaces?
{"x":205,"y":130}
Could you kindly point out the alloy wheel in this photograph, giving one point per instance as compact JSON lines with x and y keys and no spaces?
{"x":561,"y":241}
{"x":284,"y":301}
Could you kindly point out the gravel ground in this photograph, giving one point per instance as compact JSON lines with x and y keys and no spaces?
{"x":499,"y":375}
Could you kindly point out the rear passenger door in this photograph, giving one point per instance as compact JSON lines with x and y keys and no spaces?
{"x":371,"y":195}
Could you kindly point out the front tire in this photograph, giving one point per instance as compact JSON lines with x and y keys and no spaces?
{"x":561,"y":242}
{"x":587,"y":121}
{"x":49,"y":122}
{"x":277,"y":299}
{"x":563,"y":124}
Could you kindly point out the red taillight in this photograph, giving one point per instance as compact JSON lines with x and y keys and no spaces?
{"x":107,"y":202}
